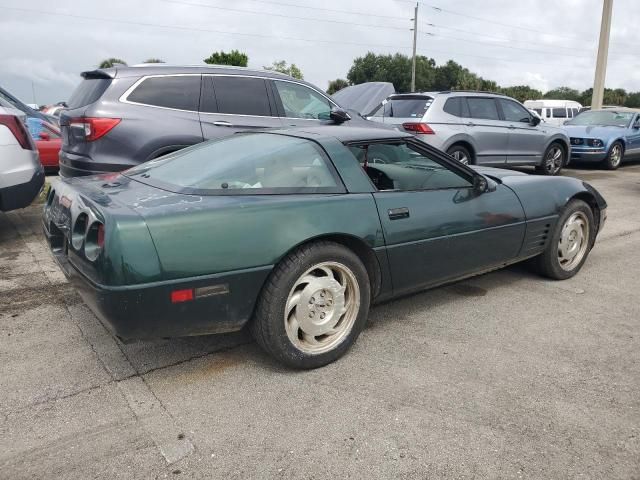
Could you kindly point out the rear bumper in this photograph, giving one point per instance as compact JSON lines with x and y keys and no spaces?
{"x":72,"y":165}
{"x":146,"y":311}
{"x":21,"y":195}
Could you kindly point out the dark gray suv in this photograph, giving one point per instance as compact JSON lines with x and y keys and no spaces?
{"x":120,"y":117}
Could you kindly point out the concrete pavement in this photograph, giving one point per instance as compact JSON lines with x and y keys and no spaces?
{"x":507,"y":375}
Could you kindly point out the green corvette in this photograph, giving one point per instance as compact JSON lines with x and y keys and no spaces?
{"x":297,"y":232}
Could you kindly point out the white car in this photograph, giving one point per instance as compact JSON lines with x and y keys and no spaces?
{"x":555,"y":112}
{"x":21,"y":174}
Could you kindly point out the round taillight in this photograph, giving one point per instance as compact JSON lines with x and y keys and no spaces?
{"x":94,"y":241}
{"x":79,"y":231}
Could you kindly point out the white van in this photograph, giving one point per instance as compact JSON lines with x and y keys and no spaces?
{"x":555,"y":112}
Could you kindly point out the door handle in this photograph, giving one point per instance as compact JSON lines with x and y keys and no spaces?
{"x":222,"y":123}
{"x":471,"y":124}
{"x":512,"y":127}
{"x":397,"y":213}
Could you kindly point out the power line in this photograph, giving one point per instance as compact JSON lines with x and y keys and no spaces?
{"x":487,"y":20}
{"x":222,"y":32}
{"x":196,"y":29}
{"x":504,"y":39}
{"x":510,"y":47}
{"x":348,"y":12}
{"x":282,"y":15}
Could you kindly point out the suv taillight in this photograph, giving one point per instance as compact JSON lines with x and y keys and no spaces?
{"x":19,"y":131}
{"x":93,"y":127}
{"x":416,"y":127}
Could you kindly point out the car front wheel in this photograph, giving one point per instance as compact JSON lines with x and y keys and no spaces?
{"x":313,"y":306}
{"x":615,"y":156}
{"x":553,"y":160}
{"x":570,"y":242}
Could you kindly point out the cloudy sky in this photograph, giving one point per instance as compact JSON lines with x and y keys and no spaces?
{"x":543,"y":43}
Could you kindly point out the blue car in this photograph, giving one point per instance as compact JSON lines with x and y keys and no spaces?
{"x":606,"y":136}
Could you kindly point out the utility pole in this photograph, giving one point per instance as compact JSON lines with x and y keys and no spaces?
{"x":415,"y":40}
{"x":603,"y":51}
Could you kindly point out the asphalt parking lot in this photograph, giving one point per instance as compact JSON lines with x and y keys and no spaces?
{"x":506,"y":375}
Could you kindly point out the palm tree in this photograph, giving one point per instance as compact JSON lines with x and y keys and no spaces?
{"x":110,"y":62}
{"x":153,"y":60}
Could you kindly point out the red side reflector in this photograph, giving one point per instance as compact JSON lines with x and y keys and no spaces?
{"x":178,"y":296}
{"x":418,"y":128}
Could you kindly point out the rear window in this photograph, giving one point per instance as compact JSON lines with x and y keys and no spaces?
{"x":89,"y":90}
{"x":242,"y":96}
{"x":243,"y":164}
{"x":483,"y":108}
{"x":180,"y":92}
{"x":404,"y":107}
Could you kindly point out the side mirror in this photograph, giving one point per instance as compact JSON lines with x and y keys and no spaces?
{"x":44,"y":136}
{"x":636,"y":125}
{"x":339,"y":116}
{"x":480,"y":184}
{"x":535,"y":121}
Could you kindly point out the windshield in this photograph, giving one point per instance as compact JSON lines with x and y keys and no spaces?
{"x":605,"y":118}
{"x":243,"y":164}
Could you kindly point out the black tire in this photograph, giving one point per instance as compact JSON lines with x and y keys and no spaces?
{"x":615,"y":156}
{"x":460,"y":153}
{"x":548,"y":263}
{"x":550,"y":164}
{"x":268,"y":323}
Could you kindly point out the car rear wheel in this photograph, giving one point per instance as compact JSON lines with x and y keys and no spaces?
{"x":553,"y":160}
{"x":570,"y":243}
{"x":615,"y":156}
{"x":313,"y":306}
{"x":461,"y":154}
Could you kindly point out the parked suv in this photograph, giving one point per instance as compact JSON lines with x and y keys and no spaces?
{"x":120,"y":117}
{"x":21,"y":174}
{"x":478,"y":128}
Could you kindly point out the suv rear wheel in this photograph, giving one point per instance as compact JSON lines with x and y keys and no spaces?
{"x":461,"y":154}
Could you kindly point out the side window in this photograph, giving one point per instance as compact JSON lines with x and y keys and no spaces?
{"x":483,"y":108}
{"x":453,"y":106}
{"x":239,"y":96}
{"x":559,"y":113}
{"x":181,"y":92}
{"x":299,"y":101}
{"x":403,"y":167}
{"x":514,"y":112}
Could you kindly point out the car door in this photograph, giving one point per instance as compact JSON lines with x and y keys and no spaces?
{"x":488,"y":131}
{"x":299,"y":105}
{"x":436,"y":226}
{"x":633,"y":138}
{"x":234,"y":103}
{"x":526,"y":141}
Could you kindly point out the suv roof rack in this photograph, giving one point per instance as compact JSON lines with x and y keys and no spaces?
{"x":474,"y":91}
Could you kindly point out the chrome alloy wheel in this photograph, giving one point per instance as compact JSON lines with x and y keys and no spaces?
{"x":461,"y":157}
{"x":574,"y":241}
{"x":616,"y":155}
{"x":322,"y":307}
{"x":554,"y":160}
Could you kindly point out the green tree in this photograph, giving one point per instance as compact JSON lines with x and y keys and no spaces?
{"x":565,"y":93}
{"x":110,"y":62}
{"x":337,"y":84}
{"x":392,"y":68}
{"x":234,"y":57}
{"x":282,"y":67}
{"x":633,"y":100}
{"x":522,"y":92}
{"x":616,"y":96}
{"x":153,"y":60}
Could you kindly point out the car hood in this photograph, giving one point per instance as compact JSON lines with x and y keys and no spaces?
{"x":592,"y":131}
{"x":364,"y":97}
{"x":498,"y":174}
